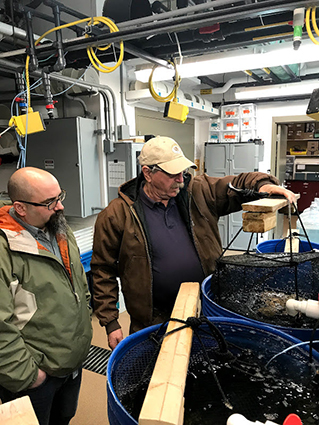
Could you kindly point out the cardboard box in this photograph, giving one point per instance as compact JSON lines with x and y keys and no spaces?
{"x":308,"y":135}
{"x":300,"y":126}
{"x":291,"y":134}
{"x":313,"y":153}
{"x":312,"y":148}
{"x":299,"y":134}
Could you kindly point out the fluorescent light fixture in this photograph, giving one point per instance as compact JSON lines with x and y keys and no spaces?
{"x":277,"y":90}
{"x":220,"y":63}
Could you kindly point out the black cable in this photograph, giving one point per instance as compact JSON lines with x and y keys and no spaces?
{"x":195,"y":323}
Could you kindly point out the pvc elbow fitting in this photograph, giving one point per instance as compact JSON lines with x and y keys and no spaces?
{"x":238,"y":419}
{"x":310,"y":308}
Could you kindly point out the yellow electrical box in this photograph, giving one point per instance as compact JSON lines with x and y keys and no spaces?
{"x":28,"y":123}
{"x":176,"y":111}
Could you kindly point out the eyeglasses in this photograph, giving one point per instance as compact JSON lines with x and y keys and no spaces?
{"x":171,"y":176}
{"x":50,"y":205}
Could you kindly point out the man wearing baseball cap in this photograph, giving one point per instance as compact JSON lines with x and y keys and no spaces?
{"x":162,"y":230}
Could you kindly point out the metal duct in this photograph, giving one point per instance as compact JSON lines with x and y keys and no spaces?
{"x":126,"y":10}
{"x":228,"y":85}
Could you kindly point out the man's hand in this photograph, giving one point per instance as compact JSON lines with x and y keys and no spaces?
{"x":40,"y":379}
{"x":114,"y":338}
{"x":278,"y":190}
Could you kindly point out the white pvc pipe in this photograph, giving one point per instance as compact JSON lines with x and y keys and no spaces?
{"x":310,"y":308}
{"x":238,"y":419}
{"x":10,"y":31}
{"x":7,"y":30}
{"x":227,"y":86}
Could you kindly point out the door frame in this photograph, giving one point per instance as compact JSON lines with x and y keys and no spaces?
{"x":276,"y":145}
{"x":278,"y":157}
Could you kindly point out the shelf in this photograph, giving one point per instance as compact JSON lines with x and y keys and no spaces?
{"x":302,"y":140}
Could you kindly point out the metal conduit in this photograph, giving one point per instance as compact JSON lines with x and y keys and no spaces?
{"x":129,"y":32}
{"x":14,"y":67}
{"x":182,"y":23}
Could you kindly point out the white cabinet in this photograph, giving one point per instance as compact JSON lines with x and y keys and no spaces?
{"x":223,"y":159}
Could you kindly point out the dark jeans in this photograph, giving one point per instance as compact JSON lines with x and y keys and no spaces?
{"x":54,"y":401}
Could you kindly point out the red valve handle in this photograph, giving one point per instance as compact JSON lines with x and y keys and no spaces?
{"x":292,"y":419}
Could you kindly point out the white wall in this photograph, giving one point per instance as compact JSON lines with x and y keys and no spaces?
{"x":265,"y":114}
{"x":201,"y":137}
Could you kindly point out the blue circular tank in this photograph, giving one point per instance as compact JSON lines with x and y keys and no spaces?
{"x":129,"y":357}
{"x":278,"y":245}
{"x":211,"y":308}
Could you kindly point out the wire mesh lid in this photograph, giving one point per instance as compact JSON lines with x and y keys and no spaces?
{"x":282,"y":259}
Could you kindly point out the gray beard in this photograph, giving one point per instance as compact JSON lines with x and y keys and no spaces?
{"x":57,"y":224}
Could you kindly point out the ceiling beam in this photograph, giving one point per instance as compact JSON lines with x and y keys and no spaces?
{"x":290,"y":72}
{"x":272,"y":75}
{"x":254,"y":76}
{"x":209,"y":82}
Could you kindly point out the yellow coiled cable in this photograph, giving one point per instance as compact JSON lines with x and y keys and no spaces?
{"x":90,"y":50}
{"x":313,"y":16}
{"x":173,"y":93}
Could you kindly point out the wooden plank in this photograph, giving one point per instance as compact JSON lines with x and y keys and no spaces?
{"x":267,"y":204}
{"x":18,"y":412}
{"x":261,"y":225}
{"x":257,"y":216}
{"x":164,"y":400}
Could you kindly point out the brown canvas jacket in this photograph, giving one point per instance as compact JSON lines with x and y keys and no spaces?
{"x":121,"y":248}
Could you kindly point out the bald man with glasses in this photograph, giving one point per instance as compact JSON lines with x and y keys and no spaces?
{"x":45,"y":325}
{"x":161,"y":231}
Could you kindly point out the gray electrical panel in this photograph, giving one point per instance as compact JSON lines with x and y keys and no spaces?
{"x":121,"y":165}
{"x":68,"y":150}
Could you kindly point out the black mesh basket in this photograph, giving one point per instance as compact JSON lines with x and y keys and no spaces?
{"x":257,"y":286}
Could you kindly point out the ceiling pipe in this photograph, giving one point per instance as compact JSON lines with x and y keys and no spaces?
{"x":184,"y":22}
{"x":228,"y":85}
{"x":131,"y":31}
{"x":225,"y":30}
{"x":264,"y":100}
{"x":10,"y":31}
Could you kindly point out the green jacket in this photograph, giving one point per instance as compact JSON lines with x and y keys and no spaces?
{"x":121,"y":245}
{"x":44,"y":307}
